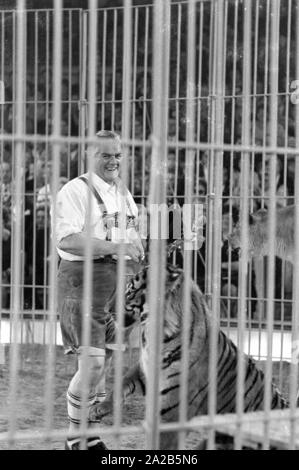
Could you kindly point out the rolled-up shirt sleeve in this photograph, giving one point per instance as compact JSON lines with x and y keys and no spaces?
{"x":70,"y":211}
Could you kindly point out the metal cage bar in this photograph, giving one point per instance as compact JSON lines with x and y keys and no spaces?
{"x":88,"y":252}
{"x":17,"y":227}
{"x":218,"y":110}
{"x":57,"y":78}
{"x":294,"y":395}
{"x":121,"y":264}
{"x":245,"y":167}
{"x":157,"y":196}
{"x":188,"y":200}
{"x":273,"y":76}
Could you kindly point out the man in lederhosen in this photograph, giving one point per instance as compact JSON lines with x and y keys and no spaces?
{"x":109,"y":197}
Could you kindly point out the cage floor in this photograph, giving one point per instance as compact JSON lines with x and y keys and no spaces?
{"x":30,"y":403}
{"x":29,"y":407}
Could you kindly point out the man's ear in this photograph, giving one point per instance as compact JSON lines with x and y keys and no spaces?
{"x":257,"y":216}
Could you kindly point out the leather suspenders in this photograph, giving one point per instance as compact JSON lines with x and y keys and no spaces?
{"x":106,"y":215}
{"x":96,"y":195}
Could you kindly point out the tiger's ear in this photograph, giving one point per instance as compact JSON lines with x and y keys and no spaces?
{"x":257,"y":216}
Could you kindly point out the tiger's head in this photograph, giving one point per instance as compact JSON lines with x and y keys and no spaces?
{"x":136,"y":305}
{"x":136,"y":308}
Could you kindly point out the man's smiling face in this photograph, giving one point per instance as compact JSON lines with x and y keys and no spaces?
{"x":107,"y":159}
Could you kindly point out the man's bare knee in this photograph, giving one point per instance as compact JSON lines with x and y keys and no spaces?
{"x":93,"y":367}
{"x":96,"y":373}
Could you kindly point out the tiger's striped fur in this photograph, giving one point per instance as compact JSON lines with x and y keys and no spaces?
{"x":198,"y":378}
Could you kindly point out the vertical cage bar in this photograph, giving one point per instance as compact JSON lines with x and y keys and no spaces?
{"x":121,"y":264}
{"x":265,"y":100}
{"x":157,"y":196}
{"x":83,"y":85}
{"x":134,"y":97}
{"x":145,"y":97}
{"x":69,"y":94}
{"x":197,"y":254}
{"x":259,"y":264}
{"x":189,"y":191}
{"x":87,"y":267}
{"x":2,"y":109}
{"x":13,"y":130}
{"x":294,"y":395}
{"x":47,"y":119}
{"x":283,"y":117}
{"x":114,"y":68}
{"x":56,"y":127}
{"x":104,"y":51}
{"x":285,"y":185}
{"x":245,"y":168}
{"x":225,"y":33}
{"x":18,"y":220}
{"x":177,"y":95}
{"x":231,"y":168}
{"x":210,"y":162}
{"x":218,"y":93}
{"x":253,"y":200}
{"x":35,"y":106}
{"x":254,"y":84}
{"x":23,"y":277}
{"x":273,"y":108}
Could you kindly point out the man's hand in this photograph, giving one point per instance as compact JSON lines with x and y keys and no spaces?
{"x":135,"y":252}
{"x":99,"y":410}
{"x":138,"y":243}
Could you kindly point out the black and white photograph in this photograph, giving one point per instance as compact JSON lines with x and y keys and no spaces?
{"x":149,"y":236}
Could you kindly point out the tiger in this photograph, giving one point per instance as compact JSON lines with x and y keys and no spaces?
{"x":136,"y":310}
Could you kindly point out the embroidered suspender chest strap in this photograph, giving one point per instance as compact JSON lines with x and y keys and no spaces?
{"x":96,"y":195}
{"x":102,"y":205}
{"x":100,"y":200}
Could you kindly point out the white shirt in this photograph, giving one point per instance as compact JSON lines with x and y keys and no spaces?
{"x":72,"y":211}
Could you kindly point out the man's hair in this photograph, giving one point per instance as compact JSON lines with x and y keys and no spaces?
{"x":108,"y":135}
{"x":103,"y":135}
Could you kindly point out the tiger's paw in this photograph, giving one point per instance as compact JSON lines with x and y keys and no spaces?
{"x":98,"y":411}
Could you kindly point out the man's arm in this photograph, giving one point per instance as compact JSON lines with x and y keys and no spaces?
{"x":76,"y":243}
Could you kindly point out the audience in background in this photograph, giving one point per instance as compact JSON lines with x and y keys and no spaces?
{"x":42,"y":249}
{"x":37,"y":199}
{"x":5,"y":208}
{"x":38,"y":192}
